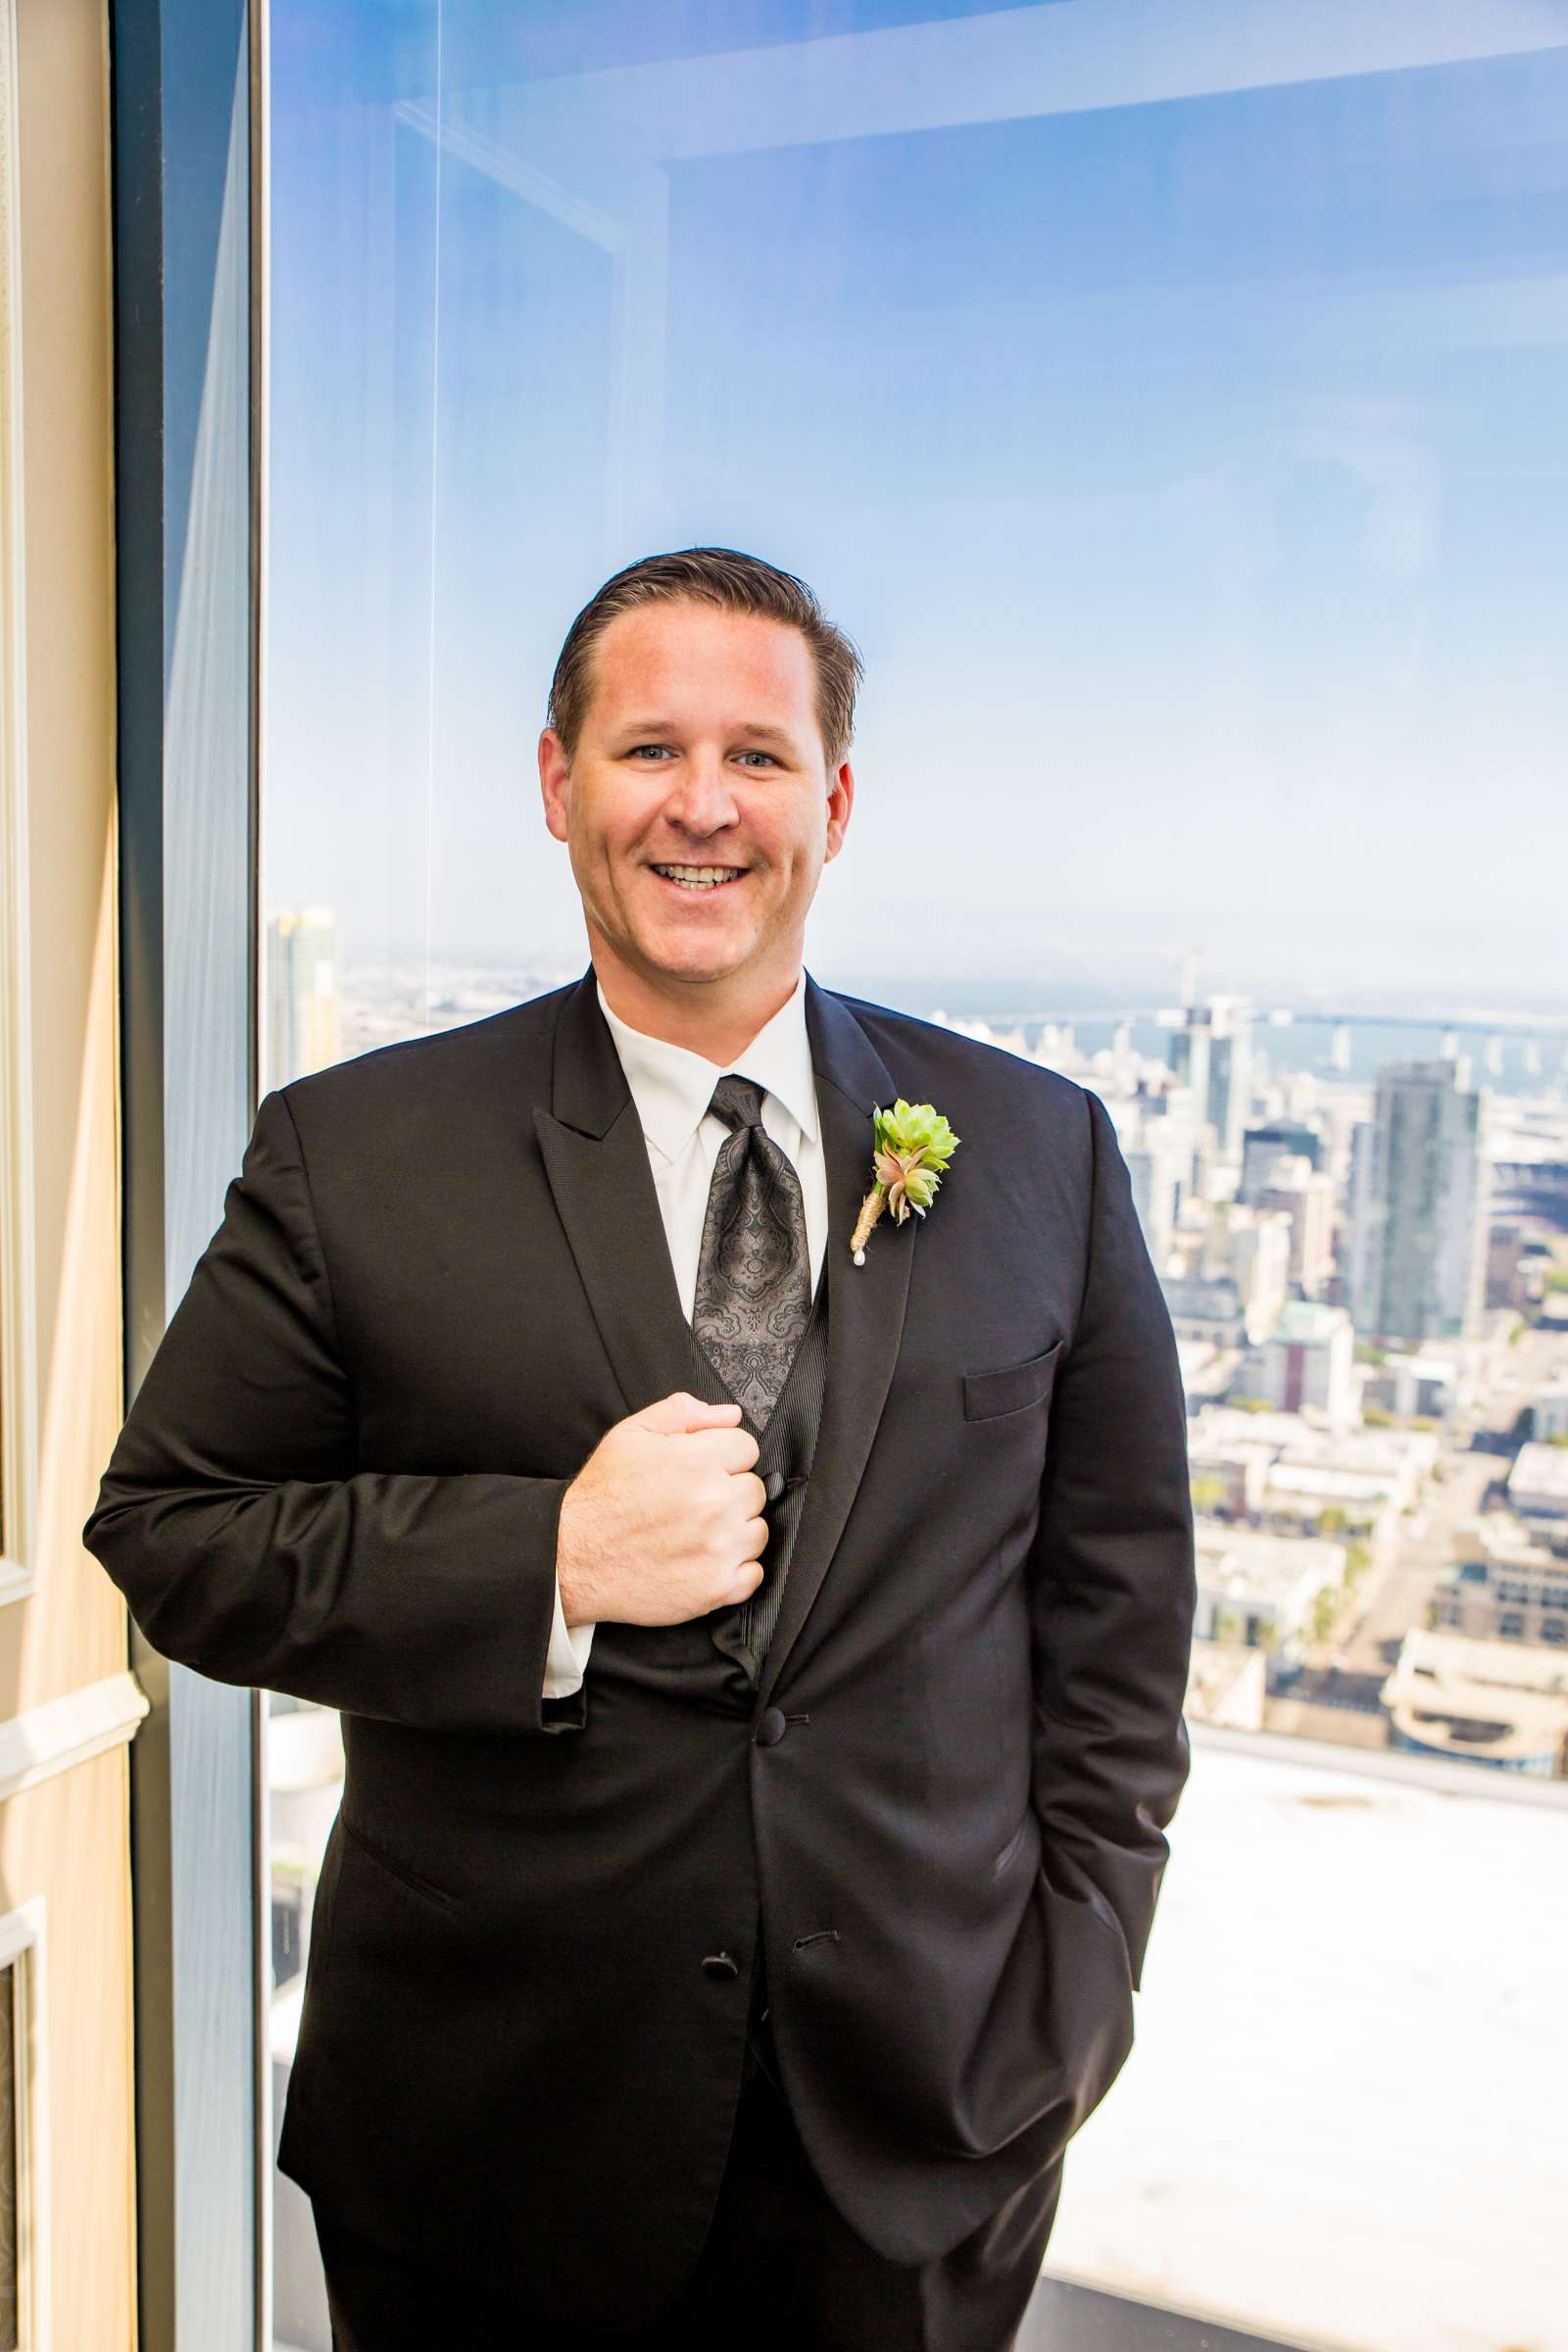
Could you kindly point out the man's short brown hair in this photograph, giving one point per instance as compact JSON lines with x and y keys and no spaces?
{"x":735,"y":583}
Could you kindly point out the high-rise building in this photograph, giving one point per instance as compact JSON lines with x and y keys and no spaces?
{"x":1156,"y":1135}
{"x":1239,"y":1255}
{"x":1189,"y":1055}
{"x":1305,"y":1195}
{"x":1281,"y":1139}
{"x":1212,"y":1051}
{"x":1418,"y":1207}
{"x":1230,"y":1074}
{"x":304,"y":1007}
{"x":1256,"y":1250}
{"x":1307,"y":1358}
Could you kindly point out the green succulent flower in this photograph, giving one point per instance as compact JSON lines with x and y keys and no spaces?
{"x":915,"y":1129}
{"x":912,"y":1145}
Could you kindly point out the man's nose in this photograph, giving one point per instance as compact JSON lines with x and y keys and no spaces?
{"x":703,"y":798}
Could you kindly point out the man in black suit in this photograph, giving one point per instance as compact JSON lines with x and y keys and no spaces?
{"x":762,"y":1672}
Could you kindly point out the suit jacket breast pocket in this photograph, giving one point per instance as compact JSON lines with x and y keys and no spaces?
{"x":1010,"y":1387}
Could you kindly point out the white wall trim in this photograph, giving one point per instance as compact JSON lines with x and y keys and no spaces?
{"x":18,"y":1354}
{"x":22,"y":1947}
{"x":65,"y":1731}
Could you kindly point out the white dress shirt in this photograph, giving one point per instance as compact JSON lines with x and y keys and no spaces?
{"x":672,"y":1088}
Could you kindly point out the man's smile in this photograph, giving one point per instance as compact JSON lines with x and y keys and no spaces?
{"x":693,"y":878}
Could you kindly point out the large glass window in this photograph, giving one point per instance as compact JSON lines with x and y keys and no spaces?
{"x":1169,"y":401}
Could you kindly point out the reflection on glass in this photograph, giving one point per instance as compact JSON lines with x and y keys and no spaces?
{"x":1169,"y":400}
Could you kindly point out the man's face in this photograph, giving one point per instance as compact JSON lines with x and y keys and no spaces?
{"x":700,"y":751}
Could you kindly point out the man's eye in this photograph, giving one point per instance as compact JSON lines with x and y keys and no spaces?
{"x":767,"y":756}
{"x":646,"y":747}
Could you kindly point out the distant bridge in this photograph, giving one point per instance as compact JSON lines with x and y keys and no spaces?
{"x":1285,"y":1016}
{"x":1532,"y":1029}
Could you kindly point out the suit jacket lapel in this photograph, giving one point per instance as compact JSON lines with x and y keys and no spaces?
{"x":866,"y":1307}
{"x":596,"y":1158}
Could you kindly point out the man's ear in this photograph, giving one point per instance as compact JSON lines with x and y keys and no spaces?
{"x":555,"y":782}
{"x":839,"y":801}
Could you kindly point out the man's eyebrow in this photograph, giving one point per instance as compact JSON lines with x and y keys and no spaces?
{"x":761,"y":727}
{"x":757,"y":727}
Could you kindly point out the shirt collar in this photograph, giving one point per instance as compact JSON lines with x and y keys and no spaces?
{"x":672,"y":1087}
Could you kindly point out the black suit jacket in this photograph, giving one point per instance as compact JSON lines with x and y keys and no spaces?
{"x":439,"y":1278}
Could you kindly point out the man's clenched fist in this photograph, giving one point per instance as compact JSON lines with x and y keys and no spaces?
{"x":663,"y":1521}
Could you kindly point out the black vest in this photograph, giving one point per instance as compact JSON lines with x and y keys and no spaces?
{"x":785,"y":1448}
{"x":716,"y":1660}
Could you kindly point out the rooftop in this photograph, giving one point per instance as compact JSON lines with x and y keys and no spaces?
{"x":1242,"y":1560}
{"x":1297,"y":1440}
{"x":1417,"y":1361}
{"x":1307,"y":1322}
{"x":1504,"y":1539}
{"x":1491,"y":1702}
{"x":1291,"y":1477}
{"x":1540,"y":1469}
{"x":1226,"y":1681}
{"x":1524,"y":1668}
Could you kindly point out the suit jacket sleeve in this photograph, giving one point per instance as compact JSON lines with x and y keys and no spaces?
{"x":249,"y":1547}
{"x":1115,"y":1586}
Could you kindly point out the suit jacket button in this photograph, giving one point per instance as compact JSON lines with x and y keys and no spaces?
{"x":720,"y":1964}
{"x":771,"y":1729}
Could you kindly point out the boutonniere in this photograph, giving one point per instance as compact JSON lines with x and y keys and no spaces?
{"x":911,"y":1146}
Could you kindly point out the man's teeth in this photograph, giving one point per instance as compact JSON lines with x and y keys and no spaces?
{"x":698,"y":877}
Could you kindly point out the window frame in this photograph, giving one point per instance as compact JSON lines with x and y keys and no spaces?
{"x":185,"y":115}
{"x":23,"y":1950}
{"x":18,"y":1354}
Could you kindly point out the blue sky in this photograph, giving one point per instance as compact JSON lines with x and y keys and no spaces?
{"x":1191,"y":473}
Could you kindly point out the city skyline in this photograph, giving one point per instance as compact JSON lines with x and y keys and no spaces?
{"x":309,"y":980}
{"x":1058,"y":982}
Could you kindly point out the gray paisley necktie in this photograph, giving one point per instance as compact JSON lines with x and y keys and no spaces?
{"x":754,"y":1272}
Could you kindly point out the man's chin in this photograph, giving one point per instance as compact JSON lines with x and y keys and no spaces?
{"x":675,"y":953}
{"x":697,"y":963}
